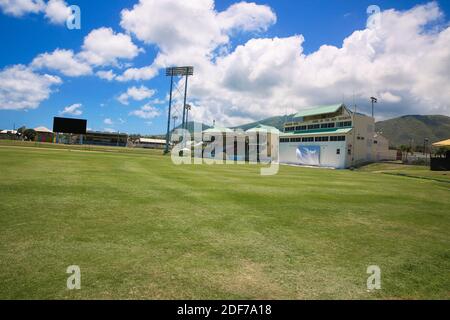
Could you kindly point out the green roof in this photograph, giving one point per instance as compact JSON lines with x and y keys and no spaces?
{"x":319,"y":110}
{"x":217,"y":129}
{"x":316,"y":132}
{"x":261,"y":127}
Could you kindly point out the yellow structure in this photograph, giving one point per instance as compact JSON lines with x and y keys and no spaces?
{"x":443,"y":143}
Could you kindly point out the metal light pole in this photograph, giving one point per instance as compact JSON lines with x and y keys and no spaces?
{"x":374,"y":100}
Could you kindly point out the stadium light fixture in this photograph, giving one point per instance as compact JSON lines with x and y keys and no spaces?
{"x":374,"y":100}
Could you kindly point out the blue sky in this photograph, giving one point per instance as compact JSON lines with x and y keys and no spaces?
{"x":27,"y":35}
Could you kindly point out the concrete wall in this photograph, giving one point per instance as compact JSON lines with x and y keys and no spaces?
{"x":364,"y":128}
{"x":381,"y":150}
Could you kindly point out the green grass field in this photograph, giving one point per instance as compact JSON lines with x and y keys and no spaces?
{"x":141,"y":228}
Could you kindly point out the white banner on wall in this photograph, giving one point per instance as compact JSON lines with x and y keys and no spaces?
{"x":308,"y":155}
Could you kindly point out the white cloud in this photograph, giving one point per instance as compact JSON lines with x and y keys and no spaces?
{"x":104,"y":47}
{"x":21,"y":88}
{"x":188,"y":31}
{"x":73,"y":110}
{"x":146,"y":112}
{"x":63,"y":61}
{"x":247,"y":17}
{"x":144,"y":73}
{"x":136,"y":93}
{"x":56,"y":11}
{"x":19,"y":8}
{"x":389,"y":97}
{"x":108,"y":122}
{"x":106,"y":75}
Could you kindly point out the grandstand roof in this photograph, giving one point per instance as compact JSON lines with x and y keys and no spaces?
{"x":147,"y":140}
{"x":443,"y":143}
{"x":43,"y":129}
{"x":218,"y":129}
{"x":261,"y":127}
{"x":319,"y":110}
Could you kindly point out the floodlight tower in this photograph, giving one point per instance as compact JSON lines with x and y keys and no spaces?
{"x":172,"y":72}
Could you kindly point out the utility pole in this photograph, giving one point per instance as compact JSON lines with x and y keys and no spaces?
{"x":166,"y":150}
{"x":354,"y":133}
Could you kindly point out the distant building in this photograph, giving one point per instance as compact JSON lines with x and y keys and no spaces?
{"x":332,"y":136}
{"x":44,"y":134}
{"x":265,"y":149}
{"x":116,"y":139}
{"x":151,"y":143}
{"x":213,"y":133}
{"x":242,"y":146}
{"x":381,"y":149}
{"x":8,"y":134}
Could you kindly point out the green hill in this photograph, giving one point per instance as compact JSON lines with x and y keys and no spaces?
{"x":277,"y":122}
{"x":190,"y":126}
{"x":413,"y":129}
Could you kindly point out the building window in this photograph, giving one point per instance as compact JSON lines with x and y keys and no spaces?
{"x":327,"y":125}
{"x":296,"y":139}
{"x":314,"y":126}
{"x":321,"y":139}
{"x":289,"y":129}
{"x":308,"y":139}
{"x":375,"y":141}
{"x":338,"y":151}
{"x":344,"y":124}
{"x":283,"y":140}
{"x":300,"y":128}
{"x":337,"y":138}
